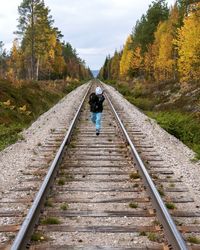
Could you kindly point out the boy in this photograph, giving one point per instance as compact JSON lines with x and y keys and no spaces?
{"x":96,"y":107}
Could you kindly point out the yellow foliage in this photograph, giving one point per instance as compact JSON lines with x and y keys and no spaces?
{"x":68,"y":79}
{"x":12,"y":107}
{"x":28,"y":113}
{"x":23,"y":108}
{"x":137,"y":60}
{"x":114,"y":66}
{"x":7,"y":103}
{"x":14,"y":63}
{"x":164,"y":62}
{"x":125,"y":62}
{"x":163,"y":48}
{"x":52,"y":40}
{"x":188,"y":43}
{"x":149,"y":58}
{"x":52,"y":45}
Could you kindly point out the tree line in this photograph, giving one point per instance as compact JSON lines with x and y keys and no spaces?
{"x":163,"y":46}
{"x":38,"y":52}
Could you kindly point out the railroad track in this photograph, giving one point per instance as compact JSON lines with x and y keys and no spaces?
{"x":99,"y":198}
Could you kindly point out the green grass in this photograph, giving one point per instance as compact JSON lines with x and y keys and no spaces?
{"x":153,"y":237}
{"x":20,"y":106}
{"x":37,"y":237}
{"x":61,"y":182}
{"x":72,"y":145}
{"x":9,"y":134}
{"x":50,"y":221}
{"x":64,"y":206}
{"x":193,"y":239}
{"x":137,"y":94}
{"x":69,"y":177}
{"x":48,"y":203}
{"x":183,"y":126}
{"x":133,"y":205}
{"x":156,"y":223}
{"x":161,"y":191}
{"x":170,"y":206}
{"x":143,"y":233}
{"x":134,"y":175}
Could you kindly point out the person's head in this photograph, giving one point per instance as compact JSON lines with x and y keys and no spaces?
{"x":98,"y":91}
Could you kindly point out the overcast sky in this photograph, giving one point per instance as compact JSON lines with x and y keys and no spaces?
{"x":94,"y":27}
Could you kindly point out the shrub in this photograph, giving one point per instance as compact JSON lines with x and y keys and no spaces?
{"x":182,"y":125}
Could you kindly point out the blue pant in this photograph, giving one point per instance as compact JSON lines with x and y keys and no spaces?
{"x":96,"y":119}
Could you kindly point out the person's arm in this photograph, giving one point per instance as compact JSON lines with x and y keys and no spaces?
{"x":90,"y":99}
{"x":102,"y":98}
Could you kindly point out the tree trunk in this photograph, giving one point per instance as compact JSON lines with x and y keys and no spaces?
{"x":37,"y":72}
{"x":32,"y":42}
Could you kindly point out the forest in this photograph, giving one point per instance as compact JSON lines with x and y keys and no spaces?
{"x":158,"y":69}
{"x":163,"y":46}
{"x":38,"y":52}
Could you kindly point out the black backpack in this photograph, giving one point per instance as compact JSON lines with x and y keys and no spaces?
{"x":93,"y":101}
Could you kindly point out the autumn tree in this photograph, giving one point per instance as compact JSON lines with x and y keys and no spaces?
{"x":105,"y":72}
{"x":115,"y":65}
{"x":35,"y":27}
{"x":184,"y":7}
{"x":143,"y":32}
{"x":15,"y":62}
{"x":136,"y":64}
{"x":164,"y":45}
{"x":75,"y":66}
{"x":126,"y":58}
{"x":188,"y":43}
{"x":100,"y":74}
{"x":149,"y":60}
{"x":43,"y":52}
{"x":165,"y":55}
{"x":3,"y":60}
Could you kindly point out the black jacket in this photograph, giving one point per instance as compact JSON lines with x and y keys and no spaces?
{"x":96,"y":102}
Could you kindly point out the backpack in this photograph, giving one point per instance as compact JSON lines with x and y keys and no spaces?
{"x":93,"y":101}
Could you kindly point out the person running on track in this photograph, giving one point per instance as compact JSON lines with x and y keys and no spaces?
{"x":96,"y":107}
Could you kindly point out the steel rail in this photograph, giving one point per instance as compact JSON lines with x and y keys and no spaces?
{"x":173,"y":235}
{"x":23,"y":237}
